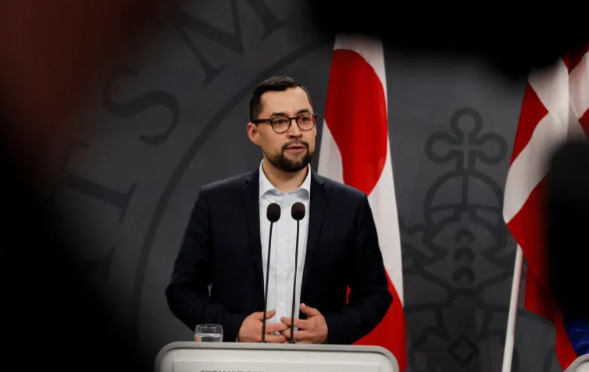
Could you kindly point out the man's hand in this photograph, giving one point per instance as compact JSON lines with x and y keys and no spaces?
{"x":312,"y":330}
{"x":251,"y":329}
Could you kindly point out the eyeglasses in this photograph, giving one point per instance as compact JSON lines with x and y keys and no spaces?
{"x":281,"y":124}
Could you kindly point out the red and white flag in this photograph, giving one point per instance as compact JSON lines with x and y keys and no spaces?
{"x":555,"y":108}
{"x":355,"y":150}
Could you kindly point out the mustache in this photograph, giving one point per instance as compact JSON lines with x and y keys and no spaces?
{"x":301,"y":143}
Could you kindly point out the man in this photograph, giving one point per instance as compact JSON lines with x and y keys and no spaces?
{"x":226,"y":241}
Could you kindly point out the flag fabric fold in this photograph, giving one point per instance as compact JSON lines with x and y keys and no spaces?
{"x":555,"y":109}
{"x":355,"y":150}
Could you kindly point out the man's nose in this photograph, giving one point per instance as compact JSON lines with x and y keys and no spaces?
{"x":294,"y":130}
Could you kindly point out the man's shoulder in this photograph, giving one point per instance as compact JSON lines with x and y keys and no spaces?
{"x":339,"y":189}
{"x":229,"y":184}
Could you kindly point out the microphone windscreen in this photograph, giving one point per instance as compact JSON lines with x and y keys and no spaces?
{"x":298,"y":211}
{"x":567,"y":228}
{"x":273,"y":212}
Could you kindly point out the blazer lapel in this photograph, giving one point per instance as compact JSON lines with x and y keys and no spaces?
{"x":251,"y":198}
{"x":317,"y":206}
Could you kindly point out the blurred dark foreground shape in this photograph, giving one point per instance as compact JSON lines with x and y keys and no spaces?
{"x":568,"y":228}
{"x":51,"y":54}
{"x":510,"y":37}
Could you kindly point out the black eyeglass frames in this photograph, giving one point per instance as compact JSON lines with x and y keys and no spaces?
{"x":281,"y":124}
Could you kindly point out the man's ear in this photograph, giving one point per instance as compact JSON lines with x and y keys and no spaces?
{"x":253,"y":133}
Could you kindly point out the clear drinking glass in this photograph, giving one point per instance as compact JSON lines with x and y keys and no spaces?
{"x":208,"y":333}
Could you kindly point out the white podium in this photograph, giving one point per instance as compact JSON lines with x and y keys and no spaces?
{"x":581,"y":364}
{"x":249,"y":357}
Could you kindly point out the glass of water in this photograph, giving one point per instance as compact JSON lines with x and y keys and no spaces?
{"x":208,"y":333}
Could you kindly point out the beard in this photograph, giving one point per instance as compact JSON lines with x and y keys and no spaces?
{"x":281,"y":162}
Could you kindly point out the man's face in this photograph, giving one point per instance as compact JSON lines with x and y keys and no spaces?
{"x":292,"y":150}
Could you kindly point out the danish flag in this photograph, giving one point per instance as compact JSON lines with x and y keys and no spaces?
{"x":355,"y":150}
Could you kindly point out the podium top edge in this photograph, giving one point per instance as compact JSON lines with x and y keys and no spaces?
{"x":259,"y":346}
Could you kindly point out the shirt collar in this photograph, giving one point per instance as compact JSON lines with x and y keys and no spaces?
{"x":266,"y":185}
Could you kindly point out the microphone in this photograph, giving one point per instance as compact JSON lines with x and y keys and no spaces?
{"x":273,"y":215}
{"x":298,"y":213}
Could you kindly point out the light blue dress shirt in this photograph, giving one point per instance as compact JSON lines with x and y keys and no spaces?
{"x":282,"y":255}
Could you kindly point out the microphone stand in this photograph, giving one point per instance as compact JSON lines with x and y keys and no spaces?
{"x":267,"y":281}
{"x":292,"y":341}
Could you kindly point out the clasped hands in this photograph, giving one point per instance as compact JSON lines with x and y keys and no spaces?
{"x":312,"y":330}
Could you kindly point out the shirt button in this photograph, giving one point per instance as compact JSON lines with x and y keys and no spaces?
{"x":281,"y":241}
{"x":281,"y":304}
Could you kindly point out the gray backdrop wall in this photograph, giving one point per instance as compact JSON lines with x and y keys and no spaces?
{"x":173,"y":118}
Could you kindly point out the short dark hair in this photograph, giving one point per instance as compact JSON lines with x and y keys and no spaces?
{"x":274,"y":84}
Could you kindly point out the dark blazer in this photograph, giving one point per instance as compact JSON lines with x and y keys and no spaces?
{"x":222,"y":246}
